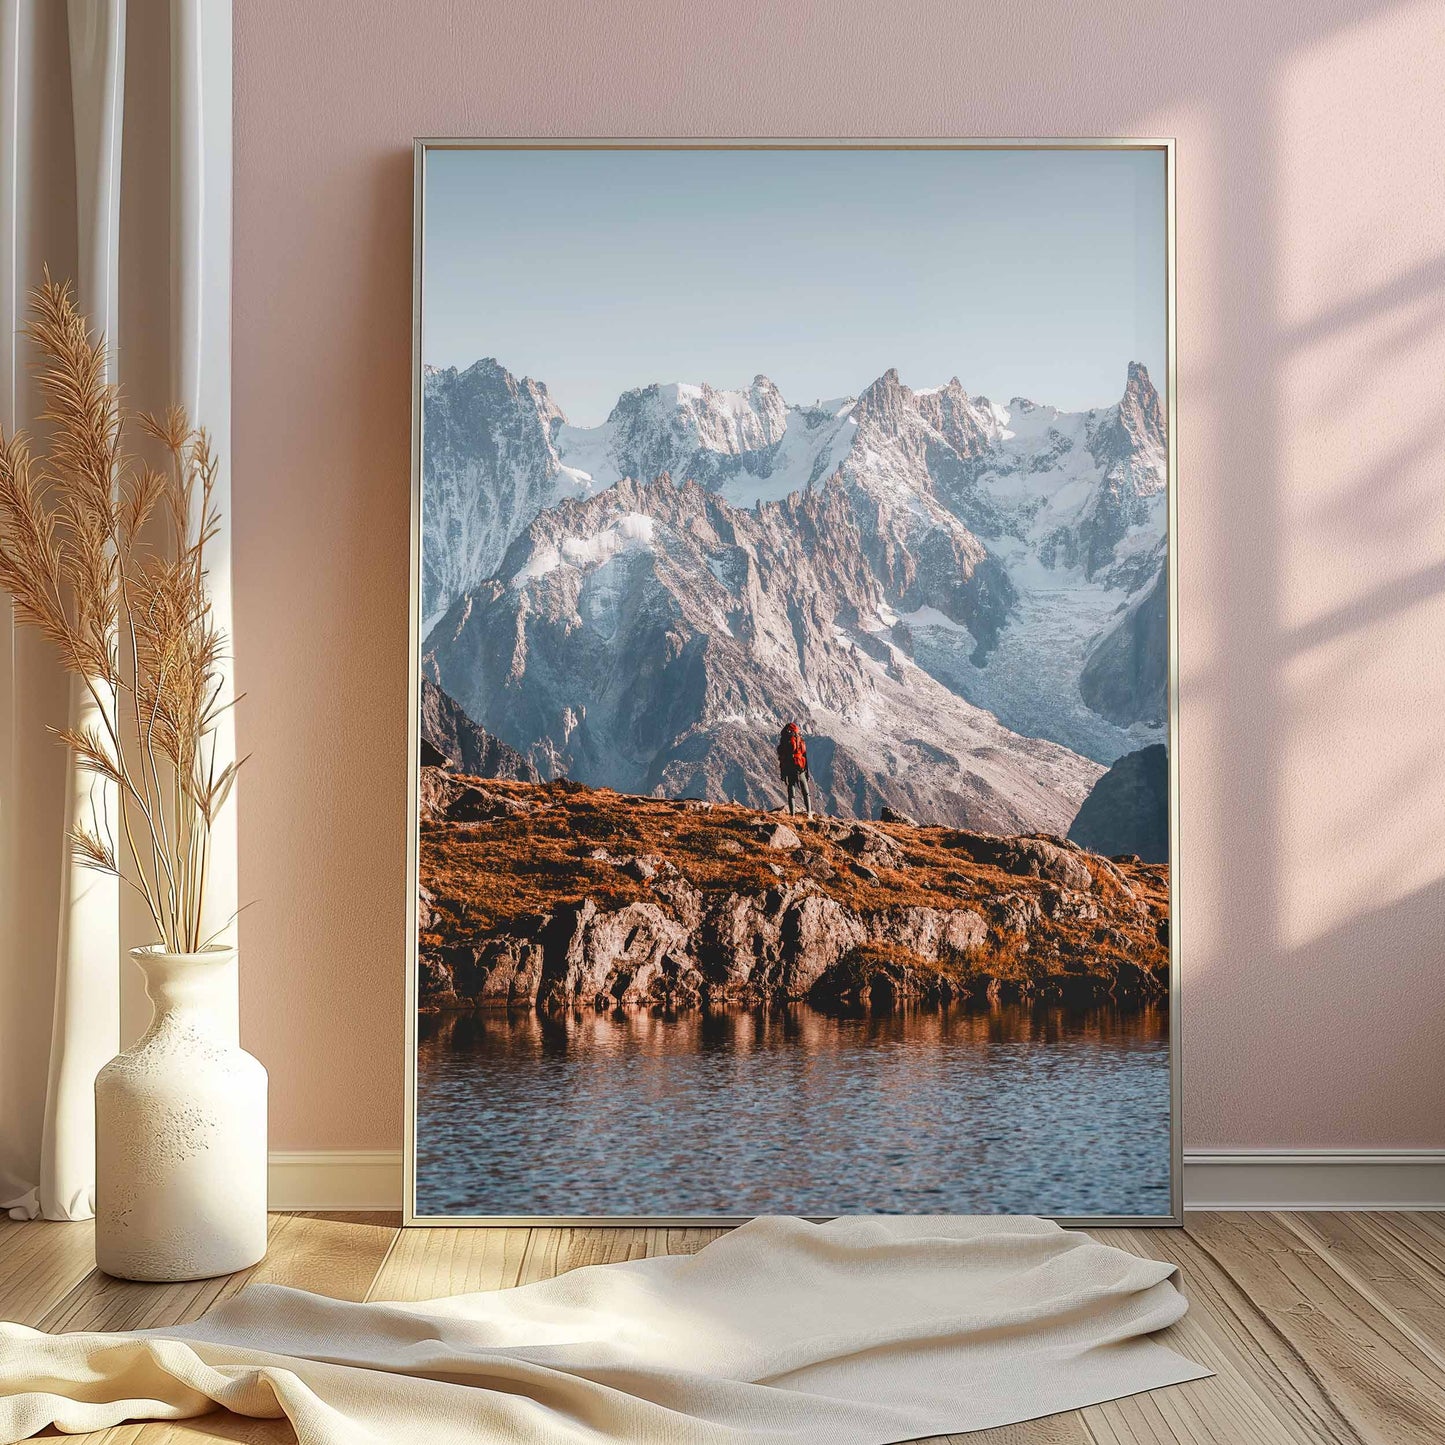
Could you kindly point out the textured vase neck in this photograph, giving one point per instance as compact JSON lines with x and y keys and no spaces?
{"x":199,"y":986}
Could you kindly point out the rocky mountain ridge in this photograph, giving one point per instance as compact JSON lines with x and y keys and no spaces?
{"x":1128,"y":809}
{"x":651,"y":637}
{"x":457,"y":743}
{"x":562,"y":897}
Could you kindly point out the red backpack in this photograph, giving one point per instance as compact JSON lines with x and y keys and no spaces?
{"x":800,"y":748}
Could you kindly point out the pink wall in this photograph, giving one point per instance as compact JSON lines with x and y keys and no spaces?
{"x":1312,"y":439}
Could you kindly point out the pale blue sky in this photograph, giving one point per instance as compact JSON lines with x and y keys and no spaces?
{"x":1024,"y":273}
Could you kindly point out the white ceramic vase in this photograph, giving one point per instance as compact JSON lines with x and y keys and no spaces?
{"x":180,"y":1124}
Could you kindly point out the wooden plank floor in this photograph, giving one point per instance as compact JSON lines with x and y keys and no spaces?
{"x":1323,"y":1329}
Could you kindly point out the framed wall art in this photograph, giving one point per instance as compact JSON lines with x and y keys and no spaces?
{"x":794,"y":726}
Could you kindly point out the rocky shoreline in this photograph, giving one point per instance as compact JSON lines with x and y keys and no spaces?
{"x":556,"y":897}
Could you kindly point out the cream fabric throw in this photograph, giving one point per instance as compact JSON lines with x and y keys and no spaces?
{"x":857,"y":1332}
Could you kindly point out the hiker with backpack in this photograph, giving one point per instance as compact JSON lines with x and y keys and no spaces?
{"x":793,"y":765}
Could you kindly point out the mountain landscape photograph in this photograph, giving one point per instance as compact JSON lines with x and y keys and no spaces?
{"x":717,"y":444}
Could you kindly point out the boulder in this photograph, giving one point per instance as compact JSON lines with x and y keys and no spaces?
{"x":608,"y":958}
{"x":436,"y":987}
{"x":1064,"y":903}
{"x":513,"y":972}
{"x":871,"y":977}
{"x":681,"y":899}
{"x":472,"y":804}
{"x":463,"y":975}
{"x":444,"y":798}
{"x":872,"y":847}
{"x":779,"y":835}
{"x":929,"y":933}
{"x":677,"y":984}
{"x":1015,"y":912}
{"x":1033,"y":858}
{"x":435,"y":789}
{"x":740,"y":943}
{"x":817,"y":931}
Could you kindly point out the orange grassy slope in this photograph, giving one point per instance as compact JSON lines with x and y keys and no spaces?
{"x":556,"y":895}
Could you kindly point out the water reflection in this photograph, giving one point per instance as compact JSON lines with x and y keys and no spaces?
{"x":786,"y":1110}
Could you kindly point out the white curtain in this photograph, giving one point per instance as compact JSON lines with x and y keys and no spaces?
{"x":115,"y":170}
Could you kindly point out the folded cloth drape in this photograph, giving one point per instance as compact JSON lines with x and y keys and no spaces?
{"x":857,"y":1332}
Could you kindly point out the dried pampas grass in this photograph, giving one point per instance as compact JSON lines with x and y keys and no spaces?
{"x":128,"y":612}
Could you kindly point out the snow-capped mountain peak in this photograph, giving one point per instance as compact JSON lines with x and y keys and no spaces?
{"x":1140,"y":413}
{"x":1006,"y":541}
{"x":489,"y":465}
{"x":671,"y":422}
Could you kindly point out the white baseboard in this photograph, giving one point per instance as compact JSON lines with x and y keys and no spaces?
{"x":335,"y":1179}
{"x":1314,"y":1179}
{"x":1213,"y":1179}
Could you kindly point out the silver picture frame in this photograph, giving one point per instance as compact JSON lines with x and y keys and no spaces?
{"x":422,"y":147}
